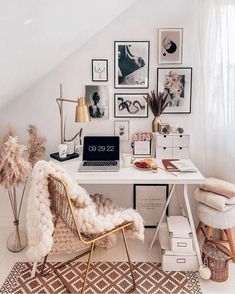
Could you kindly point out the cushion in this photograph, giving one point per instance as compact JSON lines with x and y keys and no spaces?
{"x":215,"y":218}
{"x":219,"y":187}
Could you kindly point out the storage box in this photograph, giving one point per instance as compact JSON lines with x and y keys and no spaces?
{"x":180,"y":234}
{"x":172,"y":261}
{"x":142,"y":148}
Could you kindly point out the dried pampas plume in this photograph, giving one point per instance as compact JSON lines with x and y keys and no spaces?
{"x":36,"y":146}
{"x":14,"y":169}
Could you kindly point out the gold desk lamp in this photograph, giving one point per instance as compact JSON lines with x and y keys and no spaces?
{"x":81,"y":115}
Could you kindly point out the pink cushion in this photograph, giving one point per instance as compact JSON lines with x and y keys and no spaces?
{"x":219,"y":187}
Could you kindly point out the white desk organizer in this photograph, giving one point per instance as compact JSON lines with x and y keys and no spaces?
{"x":170,"y":146}
{"x":180,"y":234}
{"x":172,"y":260}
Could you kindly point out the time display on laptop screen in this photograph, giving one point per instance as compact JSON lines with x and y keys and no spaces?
{"x":101,"y":148}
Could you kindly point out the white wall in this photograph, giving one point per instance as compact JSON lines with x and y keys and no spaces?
{"x":38,"y":106}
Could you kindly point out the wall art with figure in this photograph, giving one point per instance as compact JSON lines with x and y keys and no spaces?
{"x":176,"y":83}
{"x":97,"y":101}
{"x":131,"y":64}
{"x":130,"y":105}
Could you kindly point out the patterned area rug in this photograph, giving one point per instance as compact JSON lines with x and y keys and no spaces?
{"x":104,"y":277}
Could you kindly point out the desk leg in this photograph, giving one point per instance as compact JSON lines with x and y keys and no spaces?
{"x":190,"y":217}
{"x":162,"y":216}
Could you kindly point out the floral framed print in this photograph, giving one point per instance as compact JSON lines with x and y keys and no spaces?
{"x":128,"y":105}
{"x":121,"y":129}
{"x":176,"y":83}
{"x":97,"y":101}
{"x":131,"y":64}
{"x":99,"y":70}
{"x":170,"y":46}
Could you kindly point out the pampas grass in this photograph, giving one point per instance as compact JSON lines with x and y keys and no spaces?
{"x":36,"y":146}
{"x":157,"y":103}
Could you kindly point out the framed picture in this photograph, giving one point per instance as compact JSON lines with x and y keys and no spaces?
{"x":170,"y":46}
{"x":97,"y":101}
{"x":131,"y":64}
{"x":99,"y":70}
{"x":121,"y":129}
{"x":130,"y":105}
{"x":149,"y":201}
{"x":177,"y":84}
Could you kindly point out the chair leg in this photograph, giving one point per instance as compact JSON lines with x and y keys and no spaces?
{"x":223,"y":236}
{"x":128,"y":256}
{"x":231,"y":241}
{"x":198,"y":230}
{"x":43,"y":265}
{"x":210,"y":232}
{"x":88,"y":266}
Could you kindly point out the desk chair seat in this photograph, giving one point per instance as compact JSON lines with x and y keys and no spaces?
{"x":63,"y":208}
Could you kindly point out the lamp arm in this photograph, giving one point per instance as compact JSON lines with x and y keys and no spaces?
{"x":66,"y":100}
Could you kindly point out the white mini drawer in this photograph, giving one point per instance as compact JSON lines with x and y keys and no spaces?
{"x":181,"y":141}
{"x":164,"y":141}
{"x":163,"y":152}
{"x":180,"y":152}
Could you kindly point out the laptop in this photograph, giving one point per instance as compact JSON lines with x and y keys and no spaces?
{"x":100,"y":154}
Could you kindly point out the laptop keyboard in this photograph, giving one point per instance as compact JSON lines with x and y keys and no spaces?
{"x":100,"y":163}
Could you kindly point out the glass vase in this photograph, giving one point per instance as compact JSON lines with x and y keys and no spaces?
{"x":17,"y":241}
{"x":156,"y":124}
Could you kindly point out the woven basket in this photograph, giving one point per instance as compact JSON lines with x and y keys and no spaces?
{"x":216,"y":257}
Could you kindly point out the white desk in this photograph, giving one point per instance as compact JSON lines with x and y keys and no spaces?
{"x":134,"y":176}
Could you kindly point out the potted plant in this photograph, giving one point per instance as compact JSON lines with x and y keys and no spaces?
{"x":16,"y":162}
{"x":157,"y":104}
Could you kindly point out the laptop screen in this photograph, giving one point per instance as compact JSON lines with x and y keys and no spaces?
{"x":101,"y":148}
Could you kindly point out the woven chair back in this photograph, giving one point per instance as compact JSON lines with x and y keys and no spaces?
{"x":61,"y":205}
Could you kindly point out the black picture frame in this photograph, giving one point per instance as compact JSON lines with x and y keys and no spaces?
{"x":93,"y":61}
{"x":155,"y":220}
{"x":132,"y":86}
{"x":187,"y":88}
{"x":130,"y":115}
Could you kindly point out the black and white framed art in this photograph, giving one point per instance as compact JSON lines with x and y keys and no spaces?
{"x":99,"y":70}
{"x":149,"y":201}
{"x":170,"y":46}
{"x":131,"y":64}
{"x":97,"y":101}
{"x":127,"y":105}
{"x":177,"y":84}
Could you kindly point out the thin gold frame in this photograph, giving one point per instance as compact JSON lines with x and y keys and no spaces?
{"x":55,"y":180}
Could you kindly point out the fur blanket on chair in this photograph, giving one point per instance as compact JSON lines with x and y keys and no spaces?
{"x":95,"y":214}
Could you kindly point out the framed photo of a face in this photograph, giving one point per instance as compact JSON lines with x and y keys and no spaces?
{"x":97,"y":101}
{"x":170,"y":46}
{"x":128,"y":105}
{"x":99,"y":70}
{"x":121,"y":129}
{"x":131,"y":64}
{"x":176,"y":83}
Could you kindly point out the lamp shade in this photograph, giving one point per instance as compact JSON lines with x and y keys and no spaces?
{"x":82,"y":114}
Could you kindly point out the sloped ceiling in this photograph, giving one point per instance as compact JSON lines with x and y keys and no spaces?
{"x":36,"y":35}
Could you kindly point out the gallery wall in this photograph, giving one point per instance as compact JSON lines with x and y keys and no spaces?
{"x":38,"y":106}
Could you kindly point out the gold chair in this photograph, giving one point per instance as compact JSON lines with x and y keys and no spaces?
{"x":62,"y":208}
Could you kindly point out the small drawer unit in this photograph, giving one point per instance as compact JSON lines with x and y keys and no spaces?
{"x":171,"y":260}
{"x":171,"y":146}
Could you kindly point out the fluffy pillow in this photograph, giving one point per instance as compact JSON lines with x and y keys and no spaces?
{"x":219,"y":187}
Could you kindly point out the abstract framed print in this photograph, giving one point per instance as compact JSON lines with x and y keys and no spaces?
{"x":176,"y":83}
{"x":121,"y":129}
{"x":170,"y":46}
{"x":128,"y":105}
{"x":99,"y":70}
{"x":97,"y":101}
{"x":131,"y":64}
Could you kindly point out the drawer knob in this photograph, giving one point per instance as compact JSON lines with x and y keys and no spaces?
{"x":180,"y":148}
{"x":181,"y":136}
{"x":164,"y":136}
{"x":164,"y":148}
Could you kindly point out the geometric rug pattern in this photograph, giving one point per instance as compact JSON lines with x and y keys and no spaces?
{"x":104,"y":277}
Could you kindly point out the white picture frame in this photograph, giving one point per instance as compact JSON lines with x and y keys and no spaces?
{"x":170,"y":45}
{"x":97,"y":101}
{"x":122,"y":129}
